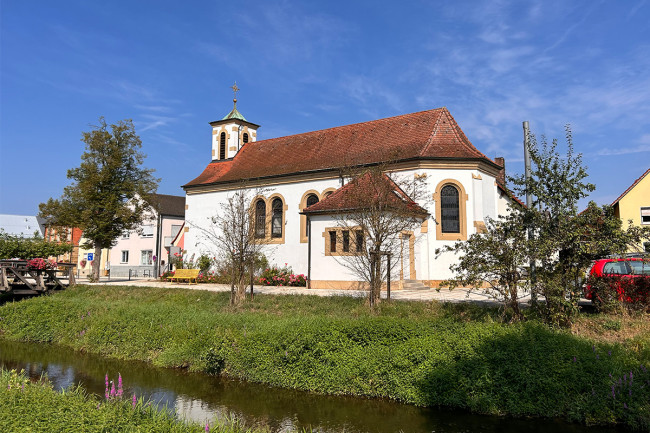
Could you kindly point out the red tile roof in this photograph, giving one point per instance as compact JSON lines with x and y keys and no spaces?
{"x":370,"y":188}
{"x":631,"y":186}
{"x":432,"y":134}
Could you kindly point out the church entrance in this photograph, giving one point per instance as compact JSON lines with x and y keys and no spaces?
{"x":407,"y":257}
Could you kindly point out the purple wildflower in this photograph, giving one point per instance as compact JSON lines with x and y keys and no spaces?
{"x":134,"y":401}
{"x":610,"y":353}
{"x":574,"y":359}
{"x":610,"y":376}
{"x":207,"y":426}
{"x":113,"y":392}
{"x":119,"y":385}
{"x":593,"y":347}
{"x":106,"y":391}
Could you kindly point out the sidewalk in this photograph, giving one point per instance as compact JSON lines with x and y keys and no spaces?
{"x":444,"y":295}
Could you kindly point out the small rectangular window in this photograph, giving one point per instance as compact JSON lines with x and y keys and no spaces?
{"x":332,"y":241}
{"x":125,"y":257}
{"x":346,"y":241}
{"x":359,"y":241}
{"x":645,"y":215}
{"x":147,"y":231}
{"x":146,"y":257}
{"x":126,"y":234}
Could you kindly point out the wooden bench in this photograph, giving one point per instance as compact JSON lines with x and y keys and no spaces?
{"x":185,"y":274}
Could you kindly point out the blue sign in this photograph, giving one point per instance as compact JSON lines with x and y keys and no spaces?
{"x":90,"y":256}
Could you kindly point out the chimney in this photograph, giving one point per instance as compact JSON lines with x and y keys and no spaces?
{"x":501,"y":177}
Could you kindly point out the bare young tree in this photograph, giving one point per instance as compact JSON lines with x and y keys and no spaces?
{"x":373,"y":211}
{"x":230,"y":233}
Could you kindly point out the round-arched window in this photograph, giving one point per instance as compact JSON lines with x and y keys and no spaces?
{"x":450,"y":209}
{"x":260,"y":219}
{"x":276,"y":218}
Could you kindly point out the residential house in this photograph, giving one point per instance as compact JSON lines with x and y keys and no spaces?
{"x":634,"y":204}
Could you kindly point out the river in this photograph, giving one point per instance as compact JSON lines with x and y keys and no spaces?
{"x":204,"y":398}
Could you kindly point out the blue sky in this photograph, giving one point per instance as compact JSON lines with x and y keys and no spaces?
{"x":303,"y":66}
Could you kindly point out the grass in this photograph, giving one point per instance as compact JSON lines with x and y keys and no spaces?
{"x":428,"y":354}
{"x":35,"y":407}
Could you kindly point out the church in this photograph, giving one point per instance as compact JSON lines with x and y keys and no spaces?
{"x":296,"y":172}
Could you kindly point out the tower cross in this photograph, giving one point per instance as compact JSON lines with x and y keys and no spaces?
{"x":235,"y":89}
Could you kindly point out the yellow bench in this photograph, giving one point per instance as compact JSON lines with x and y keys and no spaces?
{"x":185,"y":274}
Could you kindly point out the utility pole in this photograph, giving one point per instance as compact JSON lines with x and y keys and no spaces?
{"x":529,"y":205}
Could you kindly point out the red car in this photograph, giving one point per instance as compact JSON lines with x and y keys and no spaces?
{"x":618,"y":269}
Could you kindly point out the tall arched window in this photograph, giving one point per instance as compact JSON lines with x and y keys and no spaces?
{"x":245,"y":138}
{"x":450,"y":207}
{"x":311,"y":199}
{"x":260,"y":219}
{"x":276,"y":218}
{"x":222,"y":146}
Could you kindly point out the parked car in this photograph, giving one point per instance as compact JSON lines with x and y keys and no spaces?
{"x":617,"y":271}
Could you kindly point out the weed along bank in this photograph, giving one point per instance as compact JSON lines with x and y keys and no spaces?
{"x":457,"y":186}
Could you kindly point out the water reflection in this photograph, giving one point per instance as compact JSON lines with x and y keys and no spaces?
{"x":201,"y":397}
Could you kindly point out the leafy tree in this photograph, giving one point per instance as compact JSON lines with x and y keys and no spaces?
{"x":380,"y":207}
{"x":494,"y":262}
{"x":563,"y":244}
{"x":110,"y":191}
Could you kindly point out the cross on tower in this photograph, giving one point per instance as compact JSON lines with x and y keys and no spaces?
{"x":235,"y":89}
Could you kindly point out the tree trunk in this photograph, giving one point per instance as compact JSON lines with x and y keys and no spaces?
{"x":97,"y":260}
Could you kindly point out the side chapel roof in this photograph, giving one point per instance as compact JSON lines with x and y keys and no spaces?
{"x":365,"y":188}
{"x":432,"y":134}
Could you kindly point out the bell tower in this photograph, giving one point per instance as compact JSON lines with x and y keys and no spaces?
{"x":232,"y":132}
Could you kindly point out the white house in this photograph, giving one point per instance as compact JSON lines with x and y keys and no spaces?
{"x":141,"y":252}
{"x":304,"y":169}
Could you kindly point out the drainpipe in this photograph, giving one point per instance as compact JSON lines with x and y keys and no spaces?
{"x":308,"y":252}
{"x":157,"y":253}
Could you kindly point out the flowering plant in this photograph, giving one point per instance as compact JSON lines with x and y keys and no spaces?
{"x":41,"y":264}
{"x":275,"y":276}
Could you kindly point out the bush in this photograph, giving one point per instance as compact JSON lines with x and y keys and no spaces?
{"x":18,"y":247}
{"x":608,"y":293}
{"x":275,"y":276}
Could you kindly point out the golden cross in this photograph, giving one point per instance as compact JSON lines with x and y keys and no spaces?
{"x":235,"y":89}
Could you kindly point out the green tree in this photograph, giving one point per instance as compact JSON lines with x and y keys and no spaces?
{"x":110,"y":191}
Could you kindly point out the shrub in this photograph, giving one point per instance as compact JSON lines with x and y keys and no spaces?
{"x":609,"y":293}
{"x":275,"y":276}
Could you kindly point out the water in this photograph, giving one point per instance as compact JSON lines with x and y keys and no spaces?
{"x":204,"y":398}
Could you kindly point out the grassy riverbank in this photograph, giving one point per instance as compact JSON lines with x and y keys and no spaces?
{"x":36,"y":407}
{"x":420,"y":353}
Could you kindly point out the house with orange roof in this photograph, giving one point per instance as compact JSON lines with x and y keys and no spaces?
{"x":308,"y":171}
{"x":633,"y":205}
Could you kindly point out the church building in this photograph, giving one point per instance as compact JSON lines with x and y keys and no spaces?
{"x":463,"y":187}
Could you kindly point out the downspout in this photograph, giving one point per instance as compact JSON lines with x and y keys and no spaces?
{"x":308,"y":251}
{"x":158,"y":233}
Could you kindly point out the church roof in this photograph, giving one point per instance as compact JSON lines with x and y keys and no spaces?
{"x":366,"y":191}
{"x":432,"y":134}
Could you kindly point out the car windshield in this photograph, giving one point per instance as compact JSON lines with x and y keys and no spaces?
{"x":640,"y":267}
{"x":616,"y":268}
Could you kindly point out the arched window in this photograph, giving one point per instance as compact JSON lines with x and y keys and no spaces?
{"x":222,"y":146}
{"x":311,"y":199}
{"x":450,"y":209}
{"x":260,"y":219}
{"x":276,"y":218}
{"x":245,"y":138}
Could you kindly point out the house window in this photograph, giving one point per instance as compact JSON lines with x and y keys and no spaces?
{"x":450,"y":208}
{"x":645,"y":215}
{"x":346,"y":241}
{"x":222,"y":146}
{"x":245,"y":138}
{"x":276,"y":218}
{"x":125,"y":257}
{"x":260,"y":219}
{"x":359,"y":241}
{"x":147,"y":231}
{"x":332,"y":241}
{"x":126,"y":234}
{"x":146,"y":257}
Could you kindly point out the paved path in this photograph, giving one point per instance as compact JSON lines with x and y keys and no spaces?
{"x":444,"y":295}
